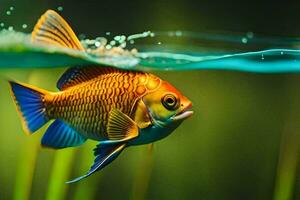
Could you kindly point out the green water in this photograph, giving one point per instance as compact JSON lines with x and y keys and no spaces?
{"x":242,"y":142}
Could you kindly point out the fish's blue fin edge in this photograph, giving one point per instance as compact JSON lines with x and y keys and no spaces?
{"x":68,"y":76}
{"x":105,"y":154}
{"x":60,"y":135}
{"x":29,"y":102}
{"x":76,"y":75}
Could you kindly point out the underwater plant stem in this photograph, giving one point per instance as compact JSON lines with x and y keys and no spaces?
{"x":287,"y":167}
{"x":28,"y":156}
{"x":57,"y":187}
{"x":289,"y":155}
{"x":86,"y":190}
{"x":61,"y":165}
{"x":143,"y":174}
{"x":25,"y":170}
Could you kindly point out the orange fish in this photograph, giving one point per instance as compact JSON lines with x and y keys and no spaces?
{"x":118,"y":108}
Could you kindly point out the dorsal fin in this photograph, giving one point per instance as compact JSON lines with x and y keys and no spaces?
{"x":77,"y":75}
{"x":53,"y":29}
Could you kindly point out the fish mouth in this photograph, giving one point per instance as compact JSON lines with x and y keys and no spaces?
{"x":184,"y":114}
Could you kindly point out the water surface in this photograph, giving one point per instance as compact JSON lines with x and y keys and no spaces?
{"x":150,"y":51}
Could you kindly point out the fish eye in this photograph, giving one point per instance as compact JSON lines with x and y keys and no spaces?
{"x":170,"y":102}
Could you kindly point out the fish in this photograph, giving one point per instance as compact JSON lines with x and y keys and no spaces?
{"x":118,"y":108}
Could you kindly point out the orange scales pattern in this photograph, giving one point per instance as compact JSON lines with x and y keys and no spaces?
{"x":87,"y":105}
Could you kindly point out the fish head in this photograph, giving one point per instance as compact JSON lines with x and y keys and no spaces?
{"x":167,"y":106}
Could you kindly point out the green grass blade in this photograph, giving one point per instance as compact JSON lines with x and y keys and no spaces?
{"x":289,"y":157}
{"x":57,"y":188}
{"x":28,"y":156}
{"x":287,"y":167}
{"x":86,"y":190}
{"x":25,"y":170}
{"x":143,"y":174}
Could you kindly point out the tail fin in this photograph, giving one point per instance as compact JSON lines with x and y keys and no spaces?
{"x":29,"y":102}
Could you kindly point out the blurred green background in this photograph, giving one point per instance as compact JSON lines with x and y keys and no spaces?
{"x":242,"y":143}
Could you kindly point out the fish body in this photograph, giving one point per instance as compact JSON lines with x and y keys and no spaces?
{"x":87,"y":105}
{"x":118,"y":108}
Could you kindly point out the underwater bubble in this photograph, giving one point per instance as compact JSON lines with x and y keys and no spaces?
{"x":159,"y":43}
{"x":250,"y":35}
{"x":97,"y":44}
{"x":112,"y":43}
{"x":178,"y":33}
{"x":107,"y":33}
{"x":122,"y":38}
{"x":171,"y":34}
{"x":8,"y":12}
{"x":24,"y":26}
{"x":262,"y":56}
{"x":123,"y":45}
{"x":2,"y":24}
{"x":117,"y":38}
{"x":102,"y":40}
{"x":152,"y":34}
{"x":60,"y":8}
{"x":108,"y":46}
{"x":131,"y":41}
{"x":10,"y":28}
{"x":244,"y":40}
{"x":11,"y":8}
{"x":281,"y":53}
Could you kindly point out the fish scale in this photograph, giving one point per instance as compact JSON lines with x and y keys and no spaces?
{"x":86,"y":105}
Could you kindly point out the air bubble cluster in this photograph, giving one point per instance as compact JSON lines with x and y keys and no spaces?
{"x":101,"y":45}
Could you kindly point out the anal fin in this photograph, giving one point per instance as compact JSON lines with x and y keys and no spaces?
{"x":61,"y":135}
{"x":105,"y":154}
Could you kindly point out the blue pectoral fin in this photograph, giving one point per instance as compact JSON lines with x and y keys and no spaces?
{"x":105,"y":154}
{"x":61,"y":135}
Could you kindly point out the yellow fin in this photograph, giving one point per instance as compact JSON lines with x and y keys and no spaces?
{"x":121,"y":127}
{"x":53,"y":29}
